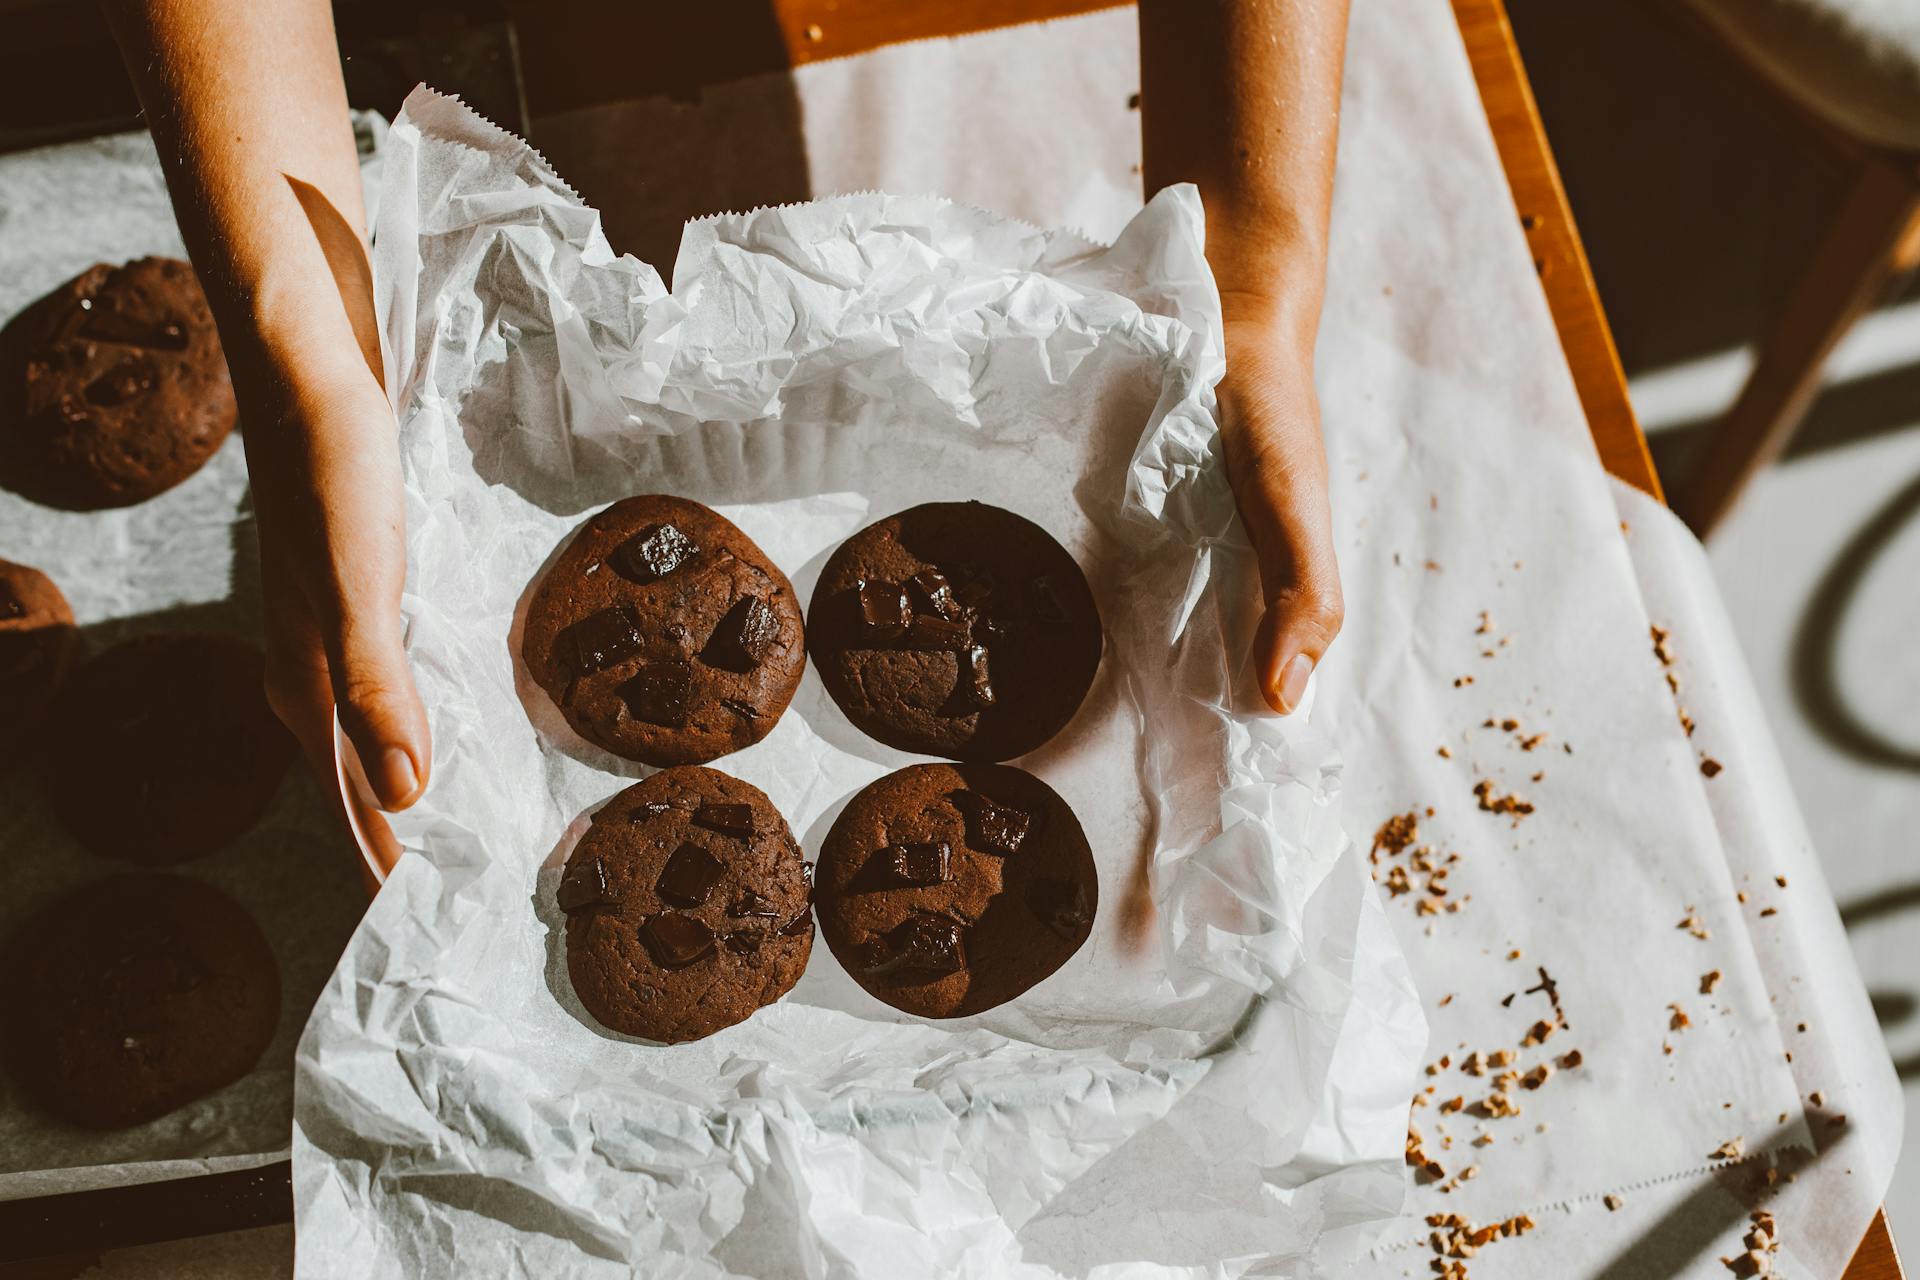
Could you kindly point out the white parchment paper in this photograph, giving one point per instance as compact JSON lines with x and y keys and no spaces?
{"x":815,"y":367}
{"x":186,"y":560}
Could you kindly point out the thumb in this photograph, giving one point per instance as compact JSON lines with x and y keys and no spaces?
{"x":378,"y":706}
{"x":1295,"y":633}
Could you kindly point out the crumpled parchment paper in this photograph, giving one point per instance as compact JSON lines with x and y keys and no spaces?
{"x":1237,"y":1073}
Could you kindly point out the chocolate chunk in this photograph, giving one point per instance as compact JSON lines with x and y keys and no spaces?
{"x":923,"y":947}
{"x":652,"y":553}
{"x":744,"y":637}
{"x":744,"y":710}
{"x":601,"y":639}
{"x":972,"y":586}
{"x":111,"y":324}
{"x":583,"y":884}
{"x":121,"y":383}
{"x":689,"y":876}
{"x":798,"y":925}
{"x":1062,"y":906}
{"x":920,"y":865}
{"x":676,"y":941}
{"x":751,"y":906}
{"x":730,"y":819}
{"x":743,"y":942}
{"x":659,"y":693}
{"x":934,"y":594}
{"x":1046,"y":600}
{"x":883,"y":610}
{"x":976,"y":689}
{"x":651,"y":809}
{"x":998,"y":828}
{"x":929,"y":632}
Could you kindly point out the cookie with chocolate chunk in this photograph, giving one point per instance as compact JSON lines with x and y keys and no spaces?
{"x":686,"y":905}
{"x":955,"y":629}
{"x":116,"y":387}
{"x":664,"y":634}
{"x":135,"y":995}
{"x":38,"y":646}
{"x":947,"y":889}
{"x":163,"y":748}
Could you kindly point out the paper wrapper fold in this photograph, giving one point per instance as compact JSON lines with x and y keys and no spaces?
{"x":1241,"y":1011}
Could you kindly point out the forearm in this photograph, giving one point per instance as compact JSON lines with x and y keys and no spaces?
{"x":241,"y":97}
{"x":1242,"y":98}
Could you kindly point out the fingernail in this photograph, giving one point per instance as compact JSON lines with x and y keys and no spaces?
{"x":395,"y":780}
{"x":1293,"y":681}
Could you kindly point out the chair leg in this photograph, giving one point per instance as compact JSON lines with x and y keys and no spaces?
{"x":1877,"y":227}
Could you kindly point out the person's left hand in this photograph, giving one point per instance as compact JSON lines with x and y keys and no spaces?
{"x":1270,"y":429}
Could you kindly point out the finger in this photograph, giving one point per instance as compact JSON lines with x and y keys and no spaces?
{"x":1282,"y":495}
{"x":375,"y":698}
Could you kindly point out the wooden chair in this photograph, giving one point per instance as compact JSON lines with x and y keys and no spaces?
{"x":1846,"y":72}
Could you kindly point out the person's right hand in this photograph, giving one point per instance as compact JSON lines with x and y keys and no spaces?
{"x":325,"y":464}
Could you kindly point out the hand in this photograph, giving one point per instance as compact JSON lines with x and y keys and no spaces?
{"x":324,"y":458}
{"x":1270,"y":429}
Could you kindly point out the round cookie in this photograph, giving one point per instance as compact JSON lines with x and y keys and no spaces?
{"x":163,"y":748}
{"x":664,"y":634}
{"x":955,"y":629}
{"x":117,"y":387}
{"x":686,"y":905}
{"x":135,"y":995}
{"x":945,"y":889}
{"x":38,"y":645}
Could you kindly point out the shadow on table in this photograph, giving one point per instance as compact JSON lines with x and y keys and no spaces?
{"x":1892,"y":1008}
{"x":1816,"y":683}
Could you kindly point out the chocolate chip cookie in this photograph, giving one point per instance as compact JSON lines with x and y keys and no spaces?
{"x":118,"y":387}
{"x":135,"y":995}
{"x":686,"y":905}
{"x":664,"y":634}
{"x":163,"y":748}
{"x":948,"y":889}
{"x":955,"y":629}
{"x":38,"y":646}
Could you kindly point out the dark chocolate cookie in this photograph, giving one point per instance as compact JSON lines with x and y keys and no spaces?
{"x":117,"y":386}
{"x":135,"y":995}
{"x":664,"y":634}
{"x":956,"y":629}
{"x":38,"y":645}
{"x":948,"y":889}
{"x":163,"y":748}
{"x":686,"y":906}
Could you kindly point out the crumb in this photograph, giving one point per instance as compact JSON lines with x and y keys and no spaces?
{"x":1538,"y":1034}
{"x":1491,"y":802}
{"x":1433,"y":566}
{"x":1817,"y":1098}
{"x":1781,"y":881}
{"x":1446,"y":1000}
{"x":1770,"y":911}
{"x":1612,"y":1201}
{"x":1679,"y":1021}
{"x":815,"y":34}
{"x":1710,"y":766}
{"x":1533,"y":740}
{"x":1500,"y":1058}
{"x":1514,"y":954}
{"x":1740,"y":897}
{"x":1691,"y":923}
{"x":1486,"y":623}
{"x":1708,"y":981}
{"x":1731,"y":1149}
{"x":1397,"y":832}
{"x":1444,"y":752}
{"x":1537,"y":1077}
{"x":1462,"y":680}
{"x":1571,"y":1059}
